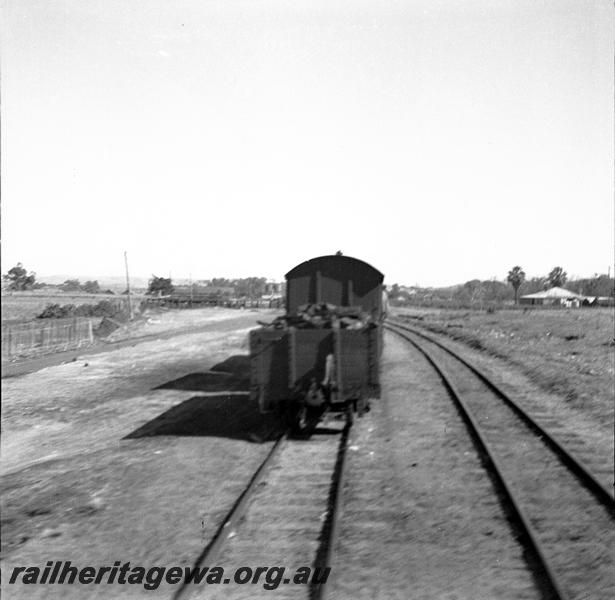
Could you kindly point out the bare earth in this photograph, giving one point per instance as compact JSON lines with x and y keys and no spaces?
{"x":560,"y":360}
{"x":421,"y":518}
{"x":569,"y":352}
{"x":75,"y":488}
{"x":136,"y":455}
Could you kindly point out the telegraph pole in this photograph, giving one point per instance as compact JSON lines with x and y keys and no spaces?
{"x":128,"y":285}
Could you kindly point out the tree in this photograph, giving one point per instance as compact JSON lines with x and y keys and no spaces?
{"x":71,"y":285}
{"x":495,"y":291}
{"x":159,"y":286}
{"x":475,"y":290}
{"x":19,"y":279}
{"x":516,"y":276}
{"x":557,"y":277}
{"x":91,"y":287}
{"x":221,"y":282}
{"x":535,"y":284}
{"x":598,"y":285}
{"x":250,"y":287}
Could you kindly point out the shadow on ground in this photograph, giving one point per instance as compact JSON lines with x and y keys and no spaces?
{"x":231,"y":375}
{"x":222,"y":415}
{"x":218,"y":414}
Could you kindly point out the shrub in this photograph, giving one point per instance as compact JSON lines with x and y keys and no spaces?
{"x":104,"y":308}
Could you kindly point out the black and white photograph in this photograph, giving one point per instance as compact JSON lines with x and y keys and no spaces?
{"x":307,"y":300}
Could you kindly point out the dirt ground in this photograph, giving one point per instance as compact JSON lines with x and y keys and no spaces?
{"x":421,"y":520}
{"x":136,"y":454}
{"x":570,"y":352}
{"x":131,"y":455}
{"x":153,"y":324}
{"x":560,"y":362}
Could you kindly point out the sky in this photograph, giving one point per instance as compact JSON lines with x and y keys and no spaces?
{"x":439,"y":141}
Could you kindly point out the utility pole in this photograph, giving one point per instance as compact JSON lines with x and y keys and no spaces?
{"x":128,"y":285}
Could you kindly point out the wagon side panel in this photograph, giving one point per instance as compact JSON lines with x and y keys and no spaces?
{"x":299,"y":290}
{"x":375,"y":345}
{"x":268,"y":367}
{"x":309,"y":354}
{"x":358,"y":362}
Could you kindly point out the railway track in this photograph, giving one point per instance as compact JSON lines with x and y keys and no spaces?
{"x":564,"y":511}
{"x":285,"y":517}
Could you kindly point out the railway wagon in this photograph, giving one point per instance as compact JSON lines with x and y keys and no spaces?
{"x":325,"y":351}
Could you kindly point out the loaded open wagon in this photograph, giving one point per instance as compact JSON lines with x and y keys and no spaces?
{"x":325,"y":351}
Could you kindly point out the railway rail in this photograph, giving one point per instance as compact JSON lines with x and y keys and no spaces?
{"x":286,"y":516}
{"x":564,"y":511}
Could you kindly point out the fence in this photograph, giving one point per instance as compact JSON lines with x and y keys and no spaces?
{"x":196,"y":302}
{"x":39,"y":337}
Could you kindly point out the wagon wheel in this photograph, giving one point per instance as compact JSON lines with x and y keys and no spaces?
{"x":363,"y":406}
{"x":301,"y":419}
{"x":360,"y":407}
{"x":349,"y":413}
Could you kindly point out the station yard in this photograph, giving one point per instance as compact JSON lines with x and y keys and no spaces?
{"x":78,"y":483}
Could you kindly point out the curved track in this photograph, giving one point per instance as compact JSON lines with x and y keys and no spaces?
{"x":565,"y":512}
{"x":286,"y":516}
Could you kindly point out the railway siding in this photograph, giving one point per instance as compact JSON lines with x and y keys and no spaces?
{"x":590,"y":436}
{"x":572,"y":528}
{"x":421,"y":518}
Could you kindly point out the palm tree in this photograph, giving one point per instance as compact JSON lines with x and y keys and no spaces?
{"x":516,"y":276}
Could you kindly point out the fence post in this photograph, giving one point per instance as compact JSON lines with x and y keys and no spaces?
{"x":45,"y":337}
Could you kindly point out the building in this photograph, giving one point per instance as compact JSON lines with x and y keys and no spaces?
{"x":553,"y":297}
{"x":274,"y":289}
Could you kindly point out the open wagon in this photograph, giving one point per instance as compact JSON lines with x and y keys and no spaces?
{"x":325,"y":352}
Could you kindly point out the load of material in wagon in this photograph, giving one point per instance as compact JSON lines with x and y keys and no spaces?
{"x":323,"y":316}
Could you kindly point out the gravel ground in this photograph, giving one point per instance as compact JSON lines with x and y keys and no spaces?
{"x":162,"y":320}
{"x":421,"y":519}
{"x":575,"y":531}
{"x":136,"y":454}
{"x":567,"y":353}
{"x":76,"y":488}
{"x":588,"y":433}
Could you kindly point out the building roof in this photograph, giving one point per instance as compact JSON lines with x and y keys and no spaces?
{"x":556,"y":292}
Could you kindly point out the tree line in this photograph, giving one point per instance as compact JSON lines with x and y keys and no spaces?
{"x":495,"y":293}
{"x":20,"y":280}
{"x":248,"y":287}
{"x":472,"y":292}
